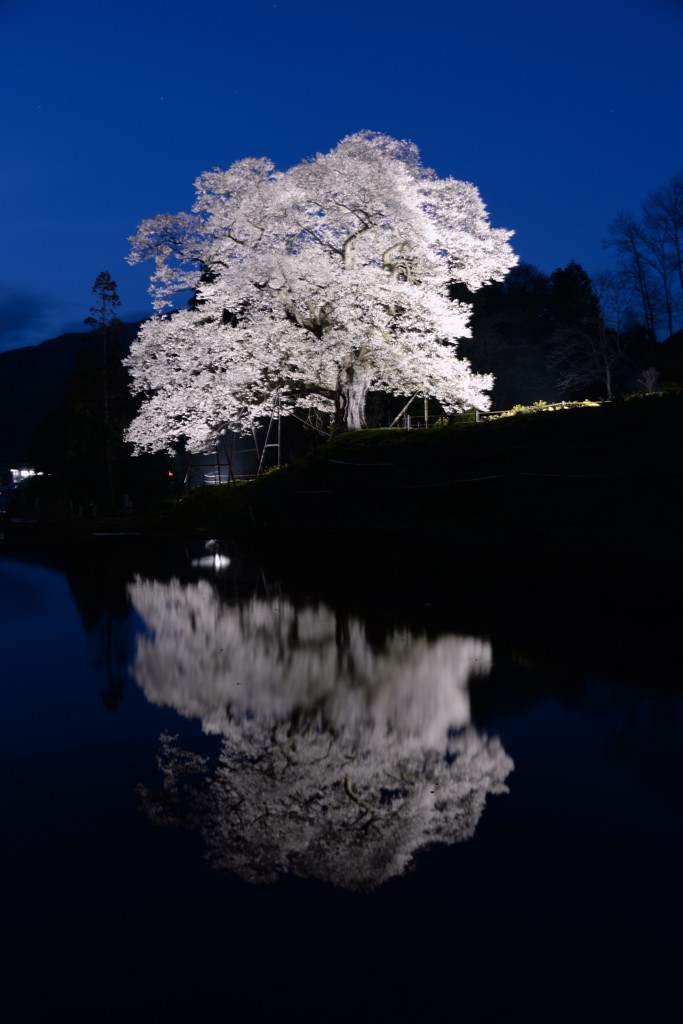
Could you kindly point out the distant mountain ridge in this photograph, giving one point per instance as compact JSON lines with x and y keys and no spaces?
{"x":33,"y":382}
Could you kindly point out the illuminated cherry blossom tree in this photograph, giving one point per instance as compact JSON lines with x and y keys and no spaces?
{"x":340,"y":759}
{"x":316,"y":284}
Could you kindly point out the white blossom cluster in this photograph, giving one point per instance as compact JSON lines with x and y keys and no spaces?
{"x":339,"y":760}
{"x":318,"y":283}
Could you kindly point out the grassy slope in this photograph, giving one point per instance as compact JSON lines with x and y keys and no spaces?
{"x":586,"y":483}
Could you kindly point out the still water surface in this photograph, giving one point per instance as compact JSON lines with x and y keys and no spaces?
{"x":209,"y":781}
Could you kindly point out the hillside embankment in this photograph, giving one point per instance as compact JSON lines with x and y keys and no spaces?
{"x":573,"y":488}
{"x":561,"y":526}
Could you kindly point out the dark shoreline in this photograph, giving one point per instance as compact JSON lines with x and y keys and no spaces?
{"x":624,"y":623}
{"x":566,"y":525}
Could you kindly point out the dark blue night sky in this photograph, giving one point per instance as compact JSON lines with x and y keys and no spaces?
{"x":561,"y":114}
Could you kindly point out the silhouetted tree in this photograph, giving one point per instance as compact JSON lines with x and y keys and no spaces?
{"x":104,"y":321}
{"x":588,"y":349}
{"x":662,"y":229}
{"x":572,"y":301}
{"x":510,"y":337}
{"x":626,"y":240}
{"x":565,"y":335}
{"x":649,"y":253}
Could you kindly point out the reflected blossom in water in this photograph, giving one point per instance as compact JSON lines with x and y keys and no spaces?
{"x":340,"y":758}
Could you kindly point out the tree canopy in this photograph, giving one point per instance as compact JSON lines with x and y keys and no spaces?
{"x":317,"y":284}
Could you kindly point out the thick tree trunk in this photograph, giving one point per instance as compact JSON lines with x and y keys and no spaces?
{"x":354,"y":385}
{"x":354,"y":413}
{"x":354,"y":394}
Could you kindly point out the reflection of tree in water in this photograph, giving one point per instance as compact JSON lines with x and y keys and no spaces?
{"x":99,"y":589}
{"x":99,"y":575}
{"x":339,"y":760}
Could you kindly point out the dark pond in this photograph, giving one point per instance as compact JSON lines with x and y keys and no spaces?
{"x":224,"y":798}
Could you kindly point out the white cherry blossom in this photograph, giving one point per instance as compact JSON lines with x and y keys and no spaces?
{"x":319,"y":283}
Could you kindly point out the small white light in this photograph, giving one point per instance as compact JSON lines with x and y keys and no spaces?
{"x":215,"y":562}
